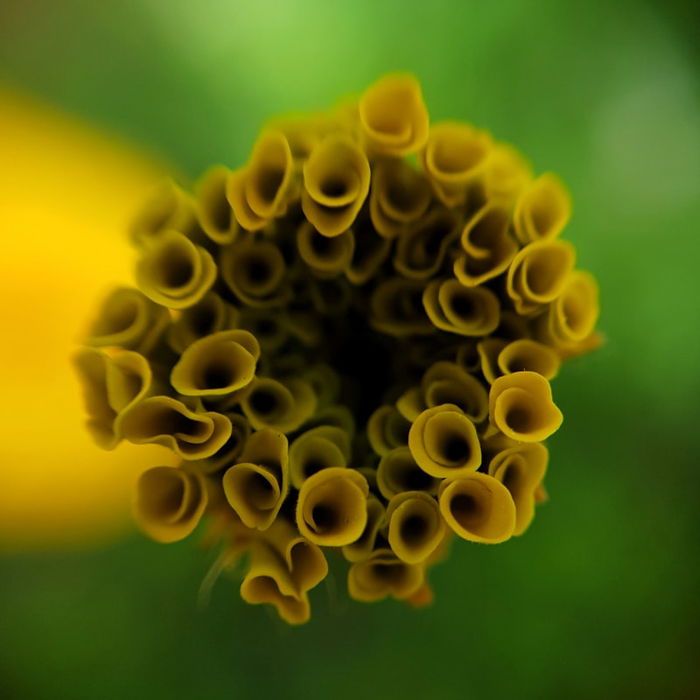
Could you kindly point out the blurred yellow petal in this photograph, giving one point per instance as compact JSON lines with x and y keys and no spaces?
{"x":396,"y":308}
{"x":255,"y":272}
{"x":316,"y":449}
{"x":257,"y":485}
{"x":398,"y":472}
{"x":127,"y":318}
{"x":336,"y":184}
{"x":369,"y":253}
{"x":453,"y":307}
{"x":422,"y":598}
{"x":169,"y":208}
{"x":174,"y":272}
{"x":487,"y":245}
{"x":526,"y":354}
{"x":213,"y":208}
{"x":231,"y":450}
{"x":446,"y":382}
{"x":112,"y":384}
{"x":282,"y":406}
{"x":65,"y":244}
{"x":382,"y":575}
{"x":306,"y":562}
{"x":269,"y":326}
{"x":569,"y":323}
{"x":169,"y":503}
{"x":393,"y":115}
{"x":521,"y":469}
{"x":506,"y":173}
{"x":269,"y":581}
{"x":400,"y":195}
{"x":326,"y":256}
{"x":421,"y":250}
{"x":411,"y":403}
{"x":387,"y":429}
{"x":489,"y":351}
{"x":325,"y":382}
{"x":542,"y":210}
{"x":539,"y":273}
{"x":269,"y":174}
{"x":362,"y":547}
{"x":209,"y":315}
{"x":216,"y":365}
{"x":454,"y":155}
{"x":163,"y":420}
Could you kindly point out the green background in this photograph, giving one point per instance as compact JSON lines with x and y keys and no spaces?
{"x":600,"y":598}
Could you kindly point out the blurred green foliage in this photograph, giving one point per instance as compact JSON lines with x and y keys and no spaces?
{"x":600,"y":597}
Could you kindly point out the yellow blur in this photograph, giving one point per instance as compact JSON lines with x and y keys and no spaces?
{"x":66,"y":195}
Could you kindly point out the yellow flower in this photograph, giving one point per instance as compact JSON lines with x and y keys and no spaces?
{"x":349,"y":342}
{"x":67,"y":193}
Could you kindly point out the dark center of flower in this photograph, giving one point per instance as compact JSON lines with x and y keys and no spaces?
{"x":263,"y":402}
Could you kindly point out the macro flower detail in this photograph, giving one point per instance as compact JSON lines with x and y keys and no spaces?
{"x":348,"y":343}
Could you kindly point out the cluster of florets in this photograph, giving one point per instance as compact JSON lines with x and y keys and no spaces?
{"x":348,"y":344}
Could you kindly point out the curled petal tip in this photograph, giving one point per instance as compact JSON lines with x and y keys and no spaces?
{"x":521,"y":407}
{"x":444,"y":442}
{"x":478,"y":508}
{"x":393,"y":115}
{"x":332,"y":507}
{"x":169,"y":503}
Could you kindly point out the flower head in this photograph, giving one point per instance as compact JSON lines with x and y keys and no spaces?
{"x":348,"y":342}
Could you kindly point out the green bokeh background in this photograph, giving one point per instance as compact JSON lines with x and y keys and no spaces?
{"x":600,"y":598}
